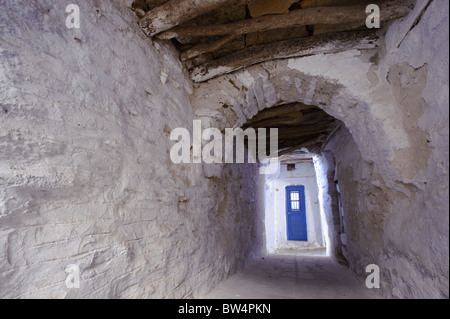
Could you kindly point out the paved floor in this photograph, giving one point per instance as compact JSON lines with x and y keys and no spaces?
{"x":293,"y":277}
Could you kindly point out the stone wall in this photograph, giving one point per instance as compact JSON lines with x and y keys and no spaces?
{"x":86,"y":178}
{"x":324,"y":165}
{"x":397,"y":215}
{"x":391,"y":156}
{"x":85,"y":173}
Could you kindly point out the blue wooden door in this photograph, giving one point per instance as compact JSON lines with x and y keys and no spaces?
{"x":296,"y":213}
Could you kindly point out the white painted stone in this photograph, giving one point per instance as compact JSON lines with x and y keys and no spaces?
{"x":85,"y":175}
{"x":391,"y":155}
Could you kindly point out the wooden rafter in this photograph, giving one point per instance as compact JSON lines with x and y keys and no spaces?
{"x":206,"y":48}
{"x":310,"y":16}
{"x":293,"y":118}
{"x":281,"y":110}
{"x":314,"y":119}
{"x":299,"y":125}
{"x":286,"y":49}
{"x":176,"y":12}
{"x":318,"y":140}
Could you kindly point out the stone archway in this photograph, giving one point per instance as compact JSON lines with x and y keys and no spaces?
{"x":352,"y":86}
{"x":344,"y":85}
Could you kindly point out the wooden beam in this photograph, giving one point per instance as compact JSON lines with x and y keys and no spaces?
{"x":326,"y":3}
{"x":326,"y":43}
{"x":262,"y":7}
{"x":294,"y":133}
{"x":297,"y":132}
{"x":175,"y":12}
{"x":281,"y":110}
{"x":319,"y":139}
{"x":310,"y":16}
{"x":206,"y":48}
{"x":302,"y":131}
{"x":293,"y":119}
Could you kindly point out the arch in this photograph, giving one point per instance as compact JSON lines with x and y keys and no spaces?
{"x":345,"y":85}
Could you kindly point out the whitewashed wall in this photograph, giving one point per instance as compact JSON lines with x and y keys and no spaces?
{"x":397,"y":213}
{"x":85,"y":173}
{"x":393,"y":166}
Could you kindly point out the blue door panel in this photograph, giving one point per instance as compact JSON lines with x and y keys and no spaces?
{"x":296,"y":213}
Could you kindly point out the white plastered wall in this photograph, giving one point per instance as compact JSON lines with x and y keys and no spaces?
{"x":85,"y":173}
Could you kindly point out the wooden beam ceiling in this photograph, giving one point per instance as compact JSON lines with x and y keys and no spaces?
{"x":175,"y":12}
{"x":327,"y":43}
{"x":216,"y":37}
{"x":214,"y":41}
{"x":304,"y":17}
{"x":299,"y":126}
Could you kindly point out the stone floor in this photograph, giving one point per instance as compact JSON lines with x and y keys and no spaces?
{"x":293,"y":277}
